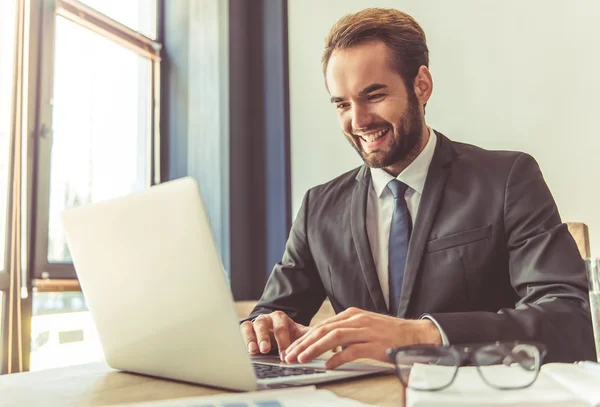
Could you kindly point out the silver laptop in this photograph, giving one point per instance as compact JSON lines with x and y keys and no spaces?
{"x":155,"y":286}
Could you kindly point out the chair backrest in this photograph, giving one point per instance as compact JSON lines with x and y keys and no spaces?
{"x":581,"y":235}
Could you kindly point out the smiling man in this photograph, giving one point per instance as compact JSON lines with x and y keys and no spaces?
{"x":430,"y":241}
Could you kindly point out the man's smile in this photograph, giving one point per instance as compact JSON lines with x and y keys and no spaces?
{"x":374,"y":139}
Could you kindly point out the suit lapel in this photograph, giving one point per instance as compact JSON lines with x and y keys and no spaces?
{"x":361,"y":241}
{"x":432,"y":195}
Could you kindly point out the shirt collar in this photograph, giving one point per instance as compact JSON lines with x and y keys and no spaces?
{"x":414,"y":175}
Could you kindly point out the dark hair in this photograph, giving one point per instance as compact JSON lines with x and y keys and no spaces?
{"x":397,"y":30}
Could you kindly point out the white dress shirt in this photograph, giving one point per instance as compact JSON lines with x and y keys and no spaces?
{"x":380,"y":207}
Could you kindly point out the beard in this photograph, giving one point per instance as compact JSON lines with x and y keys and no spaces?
{"x":403,"y":142}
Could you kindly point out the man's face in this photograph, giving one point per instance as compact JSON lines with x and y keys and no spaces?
{"x":379,"y":117}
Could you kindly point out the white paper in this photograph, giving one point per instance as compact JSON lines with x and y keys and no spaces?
{"x":469,"y":389}
{"x":295,"y":397}
{"x":585,"y":382}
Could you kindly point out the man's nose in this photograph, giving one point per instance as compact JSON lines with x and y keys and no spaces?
{"x":361,"y":118}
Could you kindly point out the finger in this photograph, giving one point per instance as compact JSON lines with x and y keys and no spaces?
{"x":352,"y":317}
{"x":262,"y":328}
{"x":317,"y":333}
{"x":352,"y":352}
{"x":299,"y":345}
{"x":281,"y":329}
{"x":337,"y":337}
{"x":249,"y":337}
{"x":296,"y":331}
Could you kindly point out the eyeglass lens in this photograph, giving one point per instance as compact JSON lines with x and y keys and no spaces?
{"x":501,"y":365}
{"x":427,"y":368}
{"x":508,"y":366}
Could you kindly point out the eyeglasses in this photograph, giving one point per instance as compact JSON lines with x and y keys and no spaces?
{"x":502,"y":365}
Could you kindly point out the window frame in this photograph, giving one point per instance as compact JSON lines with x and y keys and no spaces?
{"x":4,"y":267}
{"x":8,"y":283}
{"x":89,"y":18}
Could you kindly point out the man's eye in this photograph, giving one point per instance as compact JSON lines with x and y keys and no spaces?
{"x":341,"y":105}
{"x":375,"y":96}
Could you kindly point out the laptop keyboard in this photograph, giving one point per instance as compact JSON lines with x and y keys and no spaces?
{"x":264,"y":371}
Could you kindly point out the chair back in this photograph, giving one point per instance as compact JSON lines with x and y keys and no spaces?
{"x":581,"y":235}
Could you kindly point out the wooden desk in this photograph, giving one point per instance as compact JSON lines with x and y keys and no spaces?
{"x":96,"y":384}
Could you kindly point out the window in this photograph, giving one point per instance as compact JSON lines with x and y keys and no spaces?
{"x":79,"y":94}
{"x":100,"y":125}
{"x":62,"y":332}
{"x":98,"y":139}
{"x":98,"y":110}
{"x":139,"y":15}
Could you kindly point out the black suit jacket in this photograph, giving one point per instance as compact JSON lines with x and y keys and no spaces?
{"x":489,"y":257}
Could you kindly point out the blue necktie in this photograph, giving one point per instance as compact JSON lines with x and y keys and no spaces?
{"x":398,"y":244}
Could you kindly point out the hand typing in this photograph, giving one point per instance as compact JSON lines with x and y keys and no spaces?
{"x":365,"y":335}
{"x":276,"y":326}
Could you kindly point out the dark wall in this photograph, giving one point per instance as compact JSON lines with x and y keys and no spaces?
{"x":226,"y":122}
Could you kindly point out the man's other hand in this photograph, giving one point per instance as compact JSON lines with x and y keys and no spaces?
{"x":365,"y":335}
{"x":277,"y":326}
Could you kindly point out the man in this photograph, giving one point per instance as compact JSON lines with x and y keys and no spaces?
{"x":430,"y":241}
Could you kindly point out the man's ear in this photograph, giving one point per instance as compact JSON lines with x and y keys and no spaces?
{"x":423,"y":85}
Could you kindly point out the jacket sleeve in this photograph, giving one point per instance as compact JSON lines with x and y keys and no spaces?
{"x":294,"y":286}
{"x":546,"y":271}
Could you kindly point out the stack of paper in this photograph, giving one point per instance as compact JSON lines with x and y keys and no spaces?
{"x":294,"y":397}
{"x":558,"y":385}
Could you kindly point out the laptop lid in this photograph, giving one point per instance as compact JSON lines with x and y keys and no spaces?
{"x":155,"y":286}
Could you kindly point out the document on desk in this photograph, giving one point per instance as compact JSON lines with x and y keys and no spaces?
{"x":558,"y":385}
{"x":293,"y":397}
